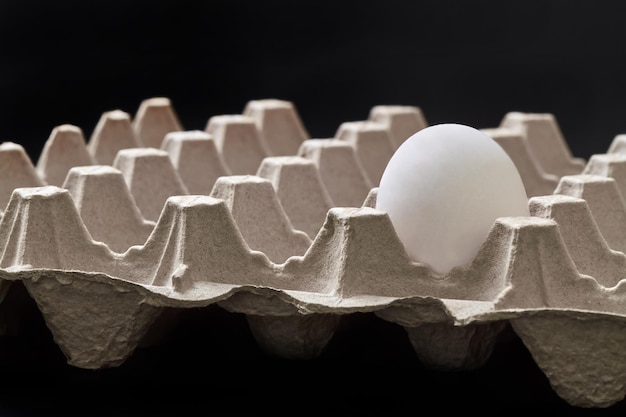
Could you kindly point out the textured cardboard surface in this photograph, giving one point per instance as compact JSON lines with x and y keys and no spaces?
{"x":117,"y":245}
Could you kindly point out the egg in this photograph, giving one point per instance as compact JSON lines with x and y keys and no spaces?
{"x":443,"y":189}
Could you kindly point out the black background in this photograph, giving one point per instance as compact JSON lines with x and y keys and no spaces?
{"x":459,"y":61}
{"x":469,"y":62}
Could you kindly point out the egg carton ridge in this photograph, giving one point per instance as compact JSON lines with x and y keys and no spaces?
{"x":553,"y":276}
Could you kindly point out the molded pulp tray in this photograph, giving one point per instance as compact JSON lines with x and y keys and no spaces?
{"x":115,"y":237}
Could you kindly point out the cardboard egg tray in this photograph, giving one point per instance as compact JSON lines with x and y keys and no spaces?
{"x":112,"y":236}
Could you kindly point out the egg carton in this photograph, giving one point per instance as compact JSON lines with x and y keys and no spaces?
{"x":114,"y":236}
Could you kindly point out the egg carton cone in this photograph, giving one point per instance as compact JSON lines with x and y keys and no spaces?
{"x":131,"y":236}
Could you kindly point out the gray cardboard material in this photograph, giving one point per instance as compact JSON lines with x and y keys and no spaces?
{"x":402,"y":121}
{"x":605,"y":201}
{"x":195,"y":157}
{"x":554,"y":276}
{"x":239,"y":142}
{"x":611,"y":165}
{"x":64,"y":149}
{"x":341,"y":171}
{"x":279,"y":124}
{"x":150,"y":177}
{"x":618,"y":144}
{"x":545,"y":142}
{"x":513,"y":140}
{"x":372,"y":144}
{"x":154,"y":119}
{"x":260,"y":217}
{"x":300,"y":189}
{"x":107,"y":207}
{"x":113,"y":132}
{"x":16,"y":170}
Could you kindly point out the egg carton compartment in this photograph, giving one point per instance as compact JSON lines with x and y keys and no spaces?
{"x":116,"y":236}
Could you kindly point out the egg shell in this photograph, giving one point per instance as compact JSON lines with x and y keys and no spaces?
{"x":443,"y":188}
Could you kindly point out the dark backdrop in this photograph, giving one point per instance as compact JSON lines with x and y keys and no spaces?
{"x":459,"y":61}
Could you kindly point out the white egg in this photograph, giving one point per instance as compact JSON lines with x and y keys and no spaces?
{"x":443,"y":189}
